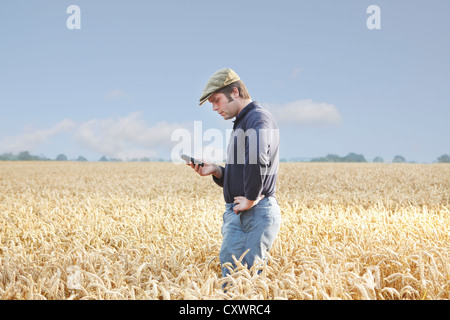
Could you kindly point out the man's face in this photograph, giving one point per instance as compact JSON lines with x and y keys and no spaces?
{"x":221,"y":104}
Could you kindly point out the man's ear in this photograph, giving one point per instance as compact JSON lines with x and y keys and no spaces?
{"x":235,"y":93}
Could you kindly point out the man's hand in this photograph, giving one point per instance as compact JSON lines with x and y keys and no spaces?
{"x":242,"y":203}
{"x":207,"y":169}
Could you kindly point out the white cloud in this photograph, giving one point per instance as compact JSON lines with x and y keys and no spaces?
{"x":305,"y":113}
{"x":31,"y":139}
{"x":126,"y":137}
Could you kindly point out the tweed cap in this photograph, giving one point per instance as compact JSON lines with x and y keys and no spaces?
{"x":221,"y":78}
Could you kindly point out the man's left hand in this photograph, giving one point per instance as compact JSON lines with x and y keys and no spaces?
{"x":242,"y":203}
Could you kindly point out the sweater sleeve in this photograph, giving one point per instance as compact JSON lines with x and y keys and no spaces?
{"x":255,"y":147}
{"x":219,"y":182}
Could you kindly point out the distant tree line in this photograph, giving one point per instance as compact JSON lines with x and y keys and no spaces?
{"x":351,"y":157}
{"x":445,"y":158}
{"x":22,"y":156}
{"x":354,"y":157}
{"x":26,"y":156}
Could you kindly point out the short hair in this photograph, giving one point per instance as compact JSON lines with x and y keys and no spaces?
{"x":227,"y":90}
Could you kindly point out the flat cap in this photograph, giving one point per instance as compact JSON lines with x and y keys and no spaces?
{"x":221,"y":78}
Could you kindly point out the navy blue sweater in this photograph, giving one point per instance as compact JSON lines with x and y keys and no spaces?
{"x":251,"y":169}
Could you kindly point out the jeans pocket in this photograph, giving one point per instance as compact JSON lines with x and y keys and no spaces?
{"x":225,"y":222}
{"x":247,"y":219}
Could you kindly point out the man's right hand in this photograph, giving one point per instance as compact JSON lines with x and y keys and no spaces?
{"x":207,"y":169}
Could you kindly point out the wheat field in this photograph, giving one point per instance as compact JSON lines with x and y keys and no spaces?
{"x":96,"y":230}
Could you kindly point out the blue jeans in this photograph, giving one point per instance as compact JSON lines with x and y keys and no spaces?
{"x":254,"y":229}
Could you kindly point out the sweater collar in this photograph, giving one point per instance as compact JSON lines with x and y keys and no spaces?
{"x":252,"y":105}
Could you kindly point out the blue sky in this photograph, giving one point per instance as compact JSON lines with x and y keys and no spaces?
{"x":134,"y":72}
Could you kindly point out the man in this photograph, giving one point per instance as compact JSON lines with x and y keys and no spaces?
{"x":252,"y":217}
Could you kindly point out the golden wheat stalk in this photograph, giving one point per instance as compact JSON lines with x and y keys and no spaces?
{"x":131,"y":231}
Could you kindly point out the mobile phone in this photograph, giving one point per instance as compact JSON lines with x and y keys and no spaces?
{"x":194,"y":161}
